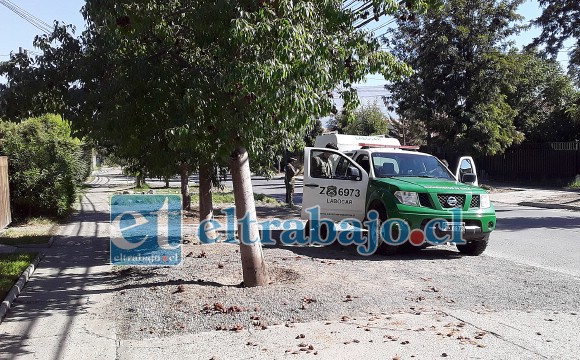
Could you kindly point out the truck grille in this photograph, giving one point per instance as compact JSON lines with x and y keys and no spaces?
{"x":449,"y":201}
{"x":425,"y":200}
{"x":474,"y":201}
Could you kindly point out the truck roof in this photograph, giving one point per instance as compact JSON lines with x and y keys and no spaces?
{"x":395,"y":150}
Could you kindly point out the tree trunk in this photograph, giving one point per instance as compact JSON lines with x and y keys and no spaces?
{"x":139,"y":180}
{"x":279,"y":158}
{"x":167,"y":182}
{"x":205,"y":197}
{"x":253,"y":265}
{"x":185,"y":197}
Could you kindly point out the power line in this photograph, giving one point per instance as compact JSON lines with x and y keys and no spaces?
{"x":382,"y":26}
{"x":40,"y":21}
{"x":363,"y":7}
{"x":349,"y":4}
{"x":27,"y":14}
{"x":33,"y":20}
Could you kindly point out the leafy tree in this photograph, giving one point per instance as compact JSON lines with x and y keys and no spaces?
{"x":457,"y":89}
{"x":312,"y":132}
{"x":46,"y":165}
{"x":560,"y":20}
{"x":338,"y":122}
{"x":542,"y":94}
{"x":408,"y":131}
{"x":366,"y":120}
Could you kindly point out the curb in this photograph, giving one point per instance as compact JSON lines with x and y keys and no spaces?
{"x":17,"y":288}
{"x":550,"y":206}
{"x":110,"y":190}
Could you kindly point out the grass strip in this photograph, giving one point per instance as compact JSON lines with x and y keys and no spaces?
{"x":11,"y":267}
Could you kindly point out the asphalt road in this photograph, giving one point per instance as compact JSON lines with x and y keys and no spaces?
{"x":543,"y":238}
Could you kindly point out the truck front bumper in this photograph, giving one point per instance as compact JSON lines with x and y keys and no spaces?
{"x":476,"y":222}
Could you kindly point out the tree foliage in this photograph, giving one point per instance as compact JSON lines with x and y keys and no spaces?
{"x":560,"y":20}
{"x":458,"y":86}
{"x":369,"y":119}
{"x":543,"y":94}
{"x":408,"y":131}
{"x":46,"y":165}
{"x":312,"y":132}
{"x":338,"y":122}
{"x":197,"y":79}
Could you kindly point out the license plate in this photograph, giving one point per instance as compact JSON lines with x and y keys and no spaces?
{"x":454,"y":227}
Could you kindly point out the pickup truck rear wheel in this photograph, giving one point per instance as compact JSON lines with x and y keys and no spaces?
{"x":475,"y":247}
{"x":323,"y":230}
{"x":384,"y":249}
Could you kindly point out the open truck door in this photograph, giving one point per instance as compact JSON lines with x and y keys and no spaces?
{"x":335,"y":183}
{"x":466,"y":171}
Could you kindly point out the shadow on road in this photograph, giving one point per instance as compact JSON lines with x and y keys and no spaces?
{"x":337,"y":252}
{"x":550,"y":222}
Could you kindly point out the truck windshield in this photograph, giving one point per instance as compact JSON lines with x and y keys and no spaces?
{"x":406,"y":165}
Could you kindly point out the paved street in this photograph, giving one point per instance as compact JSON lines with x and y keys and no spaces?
{"x":544,"y":238}
{"x":274,"y":187}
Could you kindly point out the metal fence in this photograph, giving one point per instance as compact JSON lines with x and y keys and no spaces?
{"x":545,"y":162}
{"x":5,"y":215}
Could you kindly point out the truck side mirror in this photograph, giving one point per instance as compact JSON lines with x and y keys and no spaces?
{"x":353,"y":173}
{"x":468,"y":178}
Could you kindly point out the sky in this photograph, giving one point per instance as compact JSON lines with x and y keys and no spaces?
{"x":16,"y":32}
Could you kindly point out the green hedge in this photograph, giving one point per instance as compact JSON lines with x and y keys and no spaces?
{"x":46,"y":165}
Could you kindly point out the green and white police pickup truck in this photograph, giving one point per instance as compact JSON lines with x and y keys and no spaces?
{"x":375,"y":173}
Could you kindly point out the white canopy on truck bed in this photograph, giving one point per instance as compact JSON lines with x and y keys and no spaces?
{"x":352,"y":142}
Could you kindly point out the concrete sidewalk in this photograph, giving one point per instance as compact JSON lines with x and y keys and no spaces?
{"x":543,"y":198}
{"x":61,"y":312}
{"x":457,"y":334}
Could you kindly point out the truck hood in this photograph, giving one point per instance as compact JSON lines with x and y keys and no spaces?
{"x":429,"y":185}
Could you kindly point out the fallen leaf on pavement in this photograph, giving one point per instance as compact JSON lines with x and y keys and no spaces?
{"x":237,"y":327}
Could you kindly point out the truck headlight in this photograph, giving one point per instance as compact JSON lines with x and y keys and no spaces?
{"x":484,"y":201}
{"x":407,"y":198}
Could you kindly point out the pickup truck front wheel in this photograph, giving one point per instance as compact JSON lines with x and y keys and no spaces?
{"x":475,"y":247}
{"x":384,"y":249}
